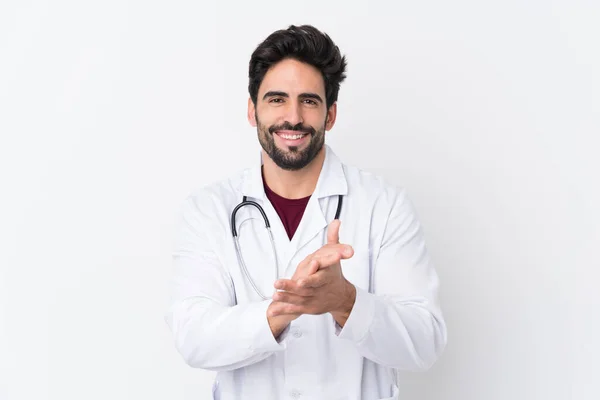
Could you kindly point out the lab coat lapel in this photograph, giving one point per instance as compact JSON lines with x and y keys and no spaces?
{"x":331,"y":182}
{"x":319,"y":212}
{"x":312,"y":222}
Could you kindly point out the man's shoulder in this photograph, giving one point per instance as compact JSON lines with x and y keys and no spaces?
{"x":218,"y":191}
{"x":365,"y":182}
{"x":379,"y":193}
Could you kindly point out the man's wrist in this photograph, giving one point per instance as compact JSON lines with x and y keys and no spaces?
{"x":278,"y":324}
{"x":342,"y":315}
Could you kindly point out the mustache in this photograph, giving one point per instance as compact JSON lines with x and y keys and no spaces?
{"x":286,"y":126}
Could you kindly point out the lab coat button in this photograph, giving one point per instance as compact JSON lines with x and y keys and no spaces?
{"x":297,"y":333}
{"x":295,"y":394}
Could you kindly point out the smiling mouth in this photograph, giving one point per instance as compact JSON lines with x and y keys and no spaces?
{"x":291,"y":135}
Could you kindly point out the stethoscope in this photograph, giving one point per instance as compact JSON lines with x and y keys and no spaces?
{"x":246,"y":202}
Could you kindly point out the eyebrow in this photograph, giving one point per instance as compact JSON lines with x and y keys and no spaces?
{"x":273,"y":93}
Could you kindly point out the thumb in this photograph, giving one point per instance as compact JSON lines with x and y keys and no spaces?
{"x":333,"y":232}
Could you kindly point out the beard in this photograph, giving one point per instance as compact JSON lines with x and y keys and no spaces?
{"x":295,"y":158}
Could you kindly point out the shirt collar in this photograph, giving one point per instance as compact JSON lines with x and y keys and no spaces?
{"x":332,"y":180}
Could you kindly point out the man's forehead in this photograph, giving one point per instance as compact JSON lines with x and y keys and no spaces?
{"x":293,"y":77}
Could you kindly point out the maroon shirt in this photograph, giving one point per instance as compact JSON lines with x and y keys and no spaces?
{"x":290,"y":211}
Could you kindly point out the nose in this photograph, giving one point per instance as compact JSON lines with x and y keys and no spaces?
{"x":294,"y":113}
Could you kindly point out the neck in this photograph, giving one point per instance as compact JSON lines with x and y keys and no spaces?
{"x":293,"y":184}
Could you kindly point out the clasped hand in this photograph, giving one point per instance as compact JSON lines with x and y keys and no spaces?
{"x":318,"y":285}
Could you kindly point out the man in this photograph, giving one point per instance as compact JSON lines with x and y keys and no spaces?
{"x":352,"y":300}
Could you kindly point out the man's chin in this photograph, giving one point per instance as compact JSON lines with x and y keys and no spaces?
{"x":289,"y":161}
{"x":291,"y":152}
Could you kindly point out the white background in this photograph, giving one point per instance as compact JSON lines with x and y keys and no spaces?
{"x":111,"y":112}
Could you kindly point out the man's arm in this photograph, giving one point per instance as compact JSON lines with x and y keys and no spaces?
{"x":400,"y":324}
{"x":210,"y":331}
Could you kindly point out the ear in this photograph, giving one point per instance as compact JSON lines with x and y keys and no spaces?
{"x":251,"y":112}
{"x":331,"y":114}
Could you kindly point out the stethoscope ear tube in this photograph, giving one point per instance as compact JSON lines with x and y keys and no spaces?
{"x":339,"y":207}
{"x":242,"y":204}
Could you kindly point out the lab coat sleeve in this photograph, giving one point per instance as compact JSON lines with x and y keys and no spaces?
{"x":399,"y":323}
{"x":210,"y":331}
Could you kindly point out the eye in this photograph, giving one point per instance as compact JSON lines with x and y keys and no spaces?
{"x":310,"y":102}
{"x":276,"y":100}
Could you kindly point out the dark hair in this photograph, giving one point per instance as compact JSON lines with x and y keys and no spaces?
{"x":304,"y":43}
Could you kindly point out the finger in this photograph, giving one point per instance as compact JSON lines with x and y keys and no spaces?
{"x":291,"y":298}
{"x":344,"y":250}
{"x":319,"y":259}
{"x":312,"y":267}
{"x":332,"y":259}
{"x":280,"y":308}
{"x":325,"y":260}
{"x":305,"y":267}
{"x":292,"y":286}
{"x":333,"y":236}
{"x":289,"y":285}
{"x":328,"y":254}
{"x":347,"y":252}
{"x":315,"y":281}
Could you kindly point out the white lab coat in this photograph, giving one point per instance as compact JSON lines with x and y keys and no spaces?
{"x":219,"y":323}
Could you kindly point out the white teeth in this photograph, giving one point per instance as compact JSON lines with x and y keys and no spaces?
{"x":291,"y":136}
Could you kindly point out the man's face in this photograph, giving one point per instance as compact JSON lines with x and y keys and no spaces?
{"x":290,"y":114}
